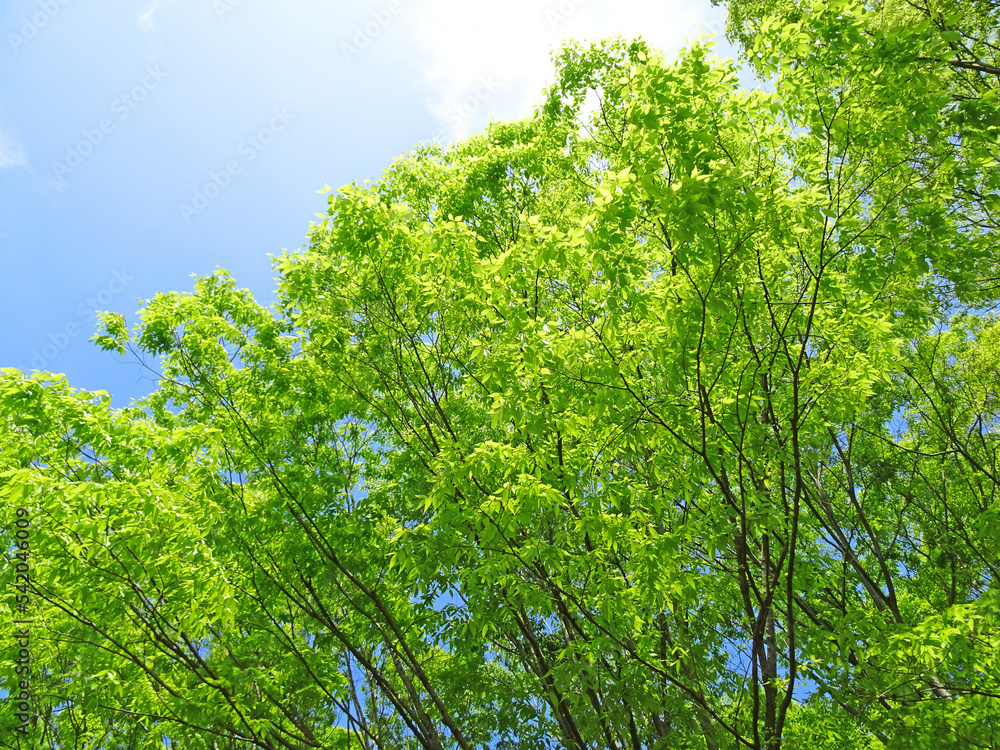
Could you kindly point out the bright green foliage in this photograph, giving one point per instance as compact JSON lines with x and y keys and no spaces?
{"x":664,"y":426}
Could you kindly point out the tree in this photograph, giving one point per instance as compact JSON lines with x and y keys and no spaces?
{"x":667,"y":426}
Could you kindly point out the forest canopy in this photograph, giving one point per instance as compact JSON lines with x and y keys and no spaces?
{"x":668,"y":421}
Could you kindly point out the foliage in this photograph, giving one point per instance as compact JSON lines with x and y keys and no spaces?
{"x":671,"y":425}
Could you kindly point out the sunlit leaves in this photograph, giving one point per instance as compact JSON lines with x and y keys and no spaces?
{"x":640,"y":426}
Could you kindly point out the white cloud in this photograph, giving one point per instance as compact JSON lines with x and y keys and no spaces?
{"x":11,"y":153}
{"x":511,"y":42}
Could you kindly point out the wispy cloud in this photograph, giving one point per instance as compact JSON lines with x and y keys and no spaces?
{"x":472,"y":40}
{"x":11,"y":153}
{"x":468,"y":41}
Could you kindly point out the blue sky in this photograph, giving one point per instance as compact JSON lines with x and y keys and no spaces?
{"x":144,"y":141}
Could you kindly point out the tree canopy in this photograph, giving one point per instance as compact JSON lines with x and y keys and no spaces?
{"x":665,"y":417}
